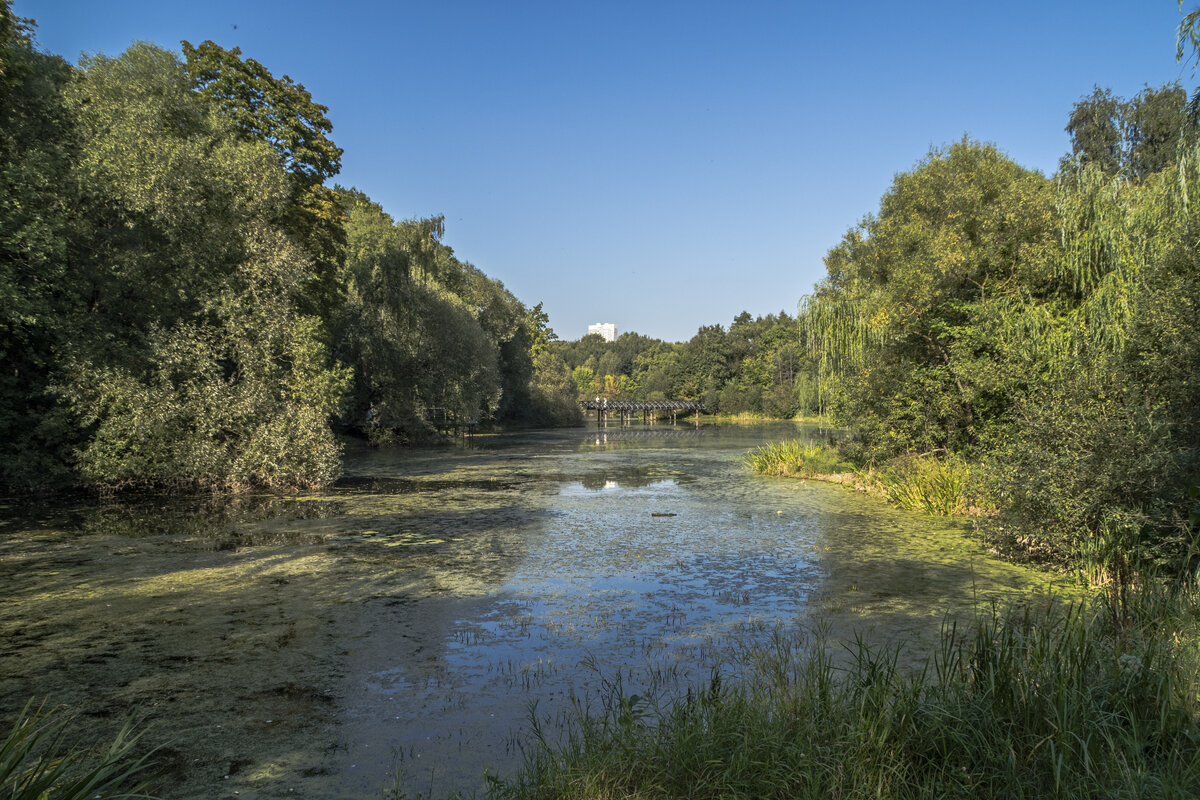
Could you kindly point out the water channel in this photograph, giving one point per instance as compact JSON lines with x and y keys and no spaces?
{"x":397,"y":632}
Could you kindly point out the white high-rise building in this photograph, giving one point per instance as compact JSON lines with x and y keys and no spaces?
{"x":606,"y":329}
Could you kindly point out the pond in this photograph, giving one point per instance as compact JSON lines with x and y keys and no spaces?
{"x":395,"y":634}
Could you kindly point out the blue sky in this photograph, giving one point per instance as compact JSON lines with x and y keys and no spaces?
{"x":659,"y":165}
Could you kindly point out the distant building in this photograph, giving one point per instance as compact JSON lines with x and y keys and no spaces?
{"x":606,"y":329}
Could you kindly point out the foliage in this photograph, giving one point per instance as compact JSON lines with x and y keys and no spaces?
{"x":281,"y":114}
{"x":193,"y":361}
{"x":940,"y":487}
{"x":1047,"y":331}
{"x":553,"y":391}
{"x":904,"y":328}
{"x":756,"y":366}
{"x":182,"y":303}
{"x":434,"y":342}
{"x":37,"y":764}
{"x":36,"y":153}
{"x":264,"y":108}
{"x":1132,"y":138}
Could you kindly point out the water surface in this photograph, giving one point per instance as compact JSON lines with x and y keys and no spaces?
{"x":398,"y":631}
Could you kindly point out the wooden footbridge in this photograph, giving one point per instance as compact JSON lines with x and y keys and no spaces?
{"x":649,"y":409}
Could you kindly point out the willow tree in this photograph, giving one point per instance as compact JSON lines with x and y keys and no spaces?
{"x":1104,"y":443}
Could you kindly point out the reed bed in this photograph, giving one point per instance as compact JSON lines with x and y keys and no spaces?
{"x":1057,"y":701}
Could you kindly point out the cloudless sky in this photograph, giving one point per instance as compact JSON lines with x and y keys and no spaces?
{"x":659,"y":165}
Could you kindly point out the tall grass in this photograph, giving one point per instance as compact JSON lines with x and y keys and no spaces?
{"x":1048,"y":703}
{"x":37,"y":764}
{"x":793,"y":458}
{"x":932,"y":486}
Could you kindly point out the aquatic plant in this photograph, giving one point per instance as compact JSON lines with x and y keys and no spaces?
{"x":929,"y":485}
{"x":793,"y":458}
{"x":37,"y":764}
{"x":1052,"y":701}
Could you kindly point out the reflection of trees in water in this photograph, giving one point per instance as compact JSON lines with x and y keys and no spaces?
{"x":209,"y":522}
{"x":618,"y":435}
{"x":389,"y":485}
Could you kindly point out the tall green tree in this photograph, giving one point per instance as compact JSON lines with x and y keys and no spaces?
{"x":194,"y":358}
{"x":37,"y":218}
{"x":282,"y":114}
{"x":911,"y":295}
{"x":1095,"y":127}
{"x":1133,"y":138}
{"x":1157,"y":127}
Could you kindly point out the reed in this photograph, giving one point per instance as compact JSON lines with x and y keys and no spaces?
{"x":928,"y":485}
{"x":36,"y":762}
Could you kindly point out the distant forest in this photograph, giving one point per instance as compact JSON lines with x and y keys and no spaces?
{"x":759,"y":366}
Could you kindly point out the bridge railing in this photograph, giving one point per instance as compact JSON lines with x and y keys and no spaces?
{"x":604,"y":404}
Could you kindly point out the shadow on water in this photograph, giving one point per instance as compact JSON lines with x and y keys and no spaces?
{"x":398,"y":629}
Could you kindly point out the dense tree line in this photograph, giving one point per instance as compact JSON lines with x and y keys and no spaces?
{"x":1044,"y":330}
{"x":184,"y":299}
{"x":758,"y":365}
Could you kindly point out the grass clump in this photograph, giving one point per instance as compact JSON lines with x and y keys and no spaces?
{"x":37,"y":764}
{"x":1057,"y":702}
{"x":940,"y":487}
{"x":794,"y":458}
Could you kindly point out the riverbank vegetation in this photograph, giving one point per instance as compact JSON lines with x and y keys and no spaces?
{"x":1091,"y":700}
{"x":36,"y":762}
{"x":933,"y":486}
{"x":187,"y":302}
{"x":795,"y":458}
{"x":1040,"y":335}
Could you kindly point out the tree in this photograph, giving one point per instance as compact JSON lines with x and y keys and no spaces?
{"x":910,"y":315}
{"x":703,"y":366}
{"x":1133,"y":138}
{"x":193,"y":358}
{"x":264,"y":108}
{"x":282,"y":114}
{"x":553,"y":391}
{"x":1095,"y":128}
{"x":1156,"y":128}
{"x":37,"y":221}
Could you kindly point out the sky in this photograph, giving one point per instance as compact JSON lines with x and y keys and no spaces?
{"x":658,"y":165}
